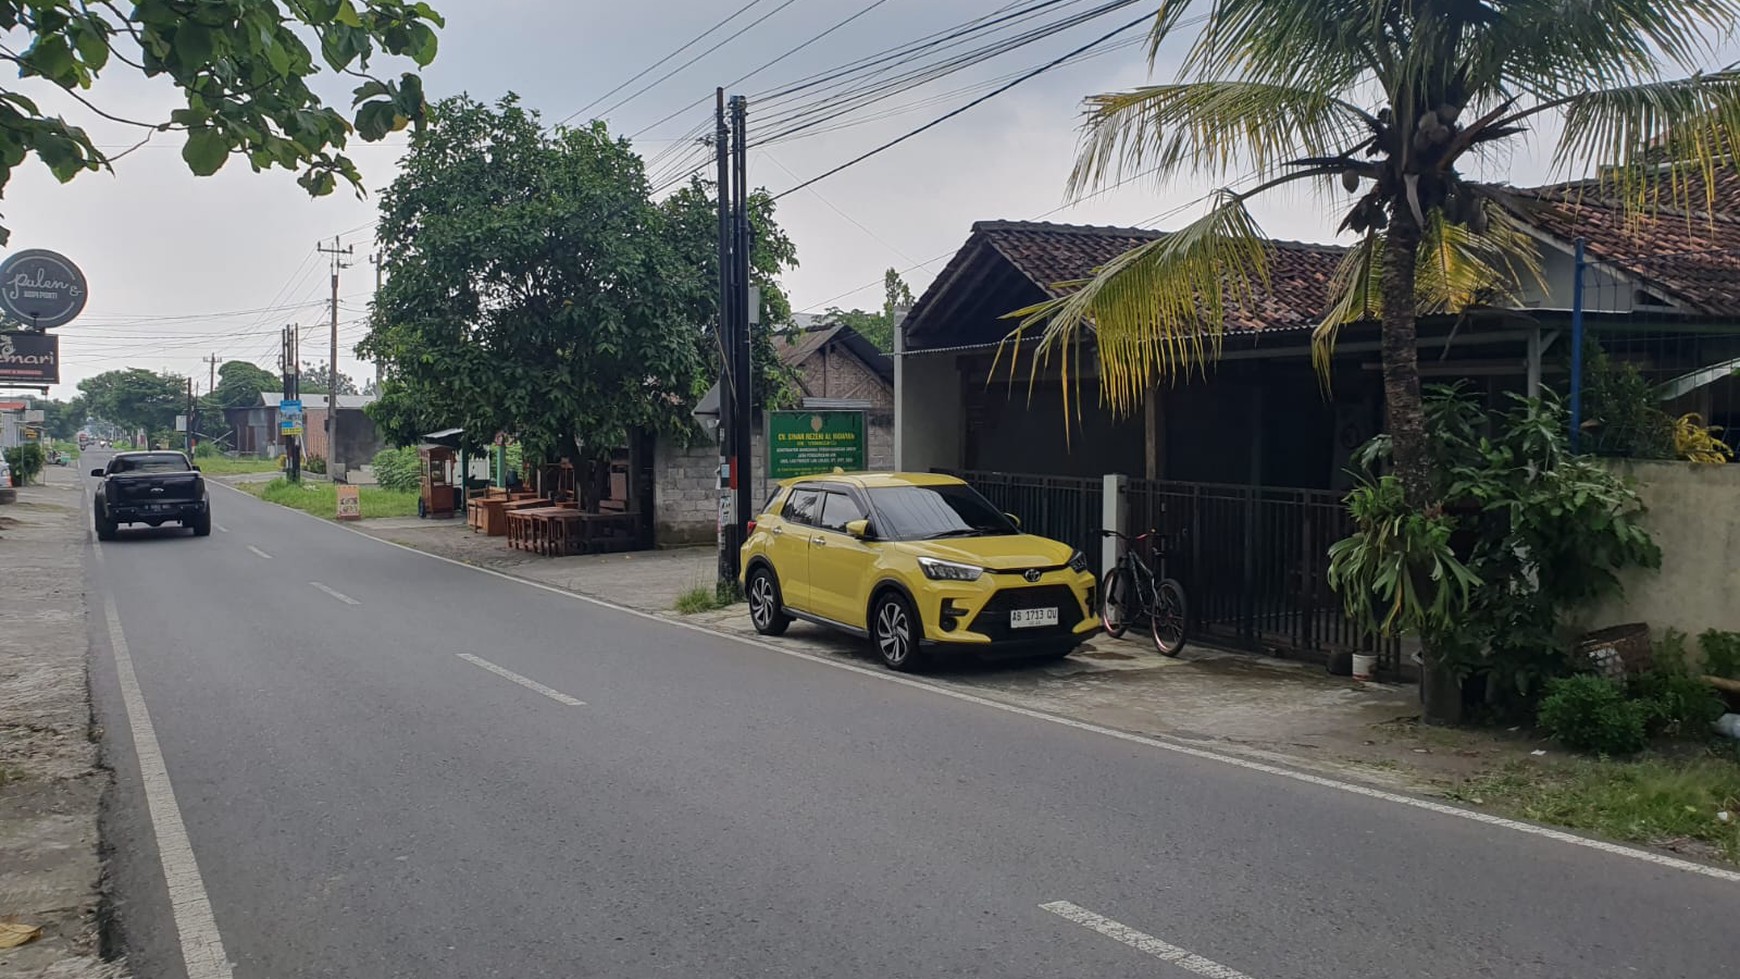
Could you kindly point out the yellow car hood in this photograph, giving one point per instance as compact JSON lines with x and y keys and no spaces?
{"x":1001,"y":553}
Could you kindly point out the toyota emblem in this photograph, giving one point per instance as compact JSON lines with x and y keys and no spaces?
{"x":1031,"y":574}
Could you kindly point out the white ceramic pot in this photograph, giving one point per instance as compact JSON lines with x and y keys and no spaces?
{"x":1364,"y":665}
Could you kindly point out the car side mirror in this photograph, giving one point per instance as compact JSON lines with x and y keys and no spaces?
{"x":98,"y":472}
{"x":1014,"y":520}
{"x":859,"y":529}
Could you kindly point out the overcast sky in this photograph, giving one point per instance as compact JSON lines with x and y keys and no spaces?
{"x":182,"y":268}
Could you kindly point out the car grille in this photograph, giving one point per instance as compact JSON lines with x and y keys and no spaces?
{"x":993,"y":619}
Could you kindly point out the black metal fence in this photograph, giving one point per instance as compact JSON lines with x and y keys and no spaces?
{"x":1253,"y":560}
{"x":1065,"y":508}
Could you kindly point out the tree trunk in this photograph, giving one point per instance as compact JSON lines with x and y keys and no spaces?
{"x":1440,"y":694}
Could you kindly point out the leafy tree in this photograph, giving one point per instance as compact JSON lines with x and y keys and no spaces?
{"x":61,"y":419}
{"x":242,"y":66}
{"x":240,"y":384}
{"x":317,"y":379}
{"x":878,"y":328}
{"x":135,"y":398}
{"x":531,"y":288}
{"x":692,"y":216}
{"x":1389,"y":100}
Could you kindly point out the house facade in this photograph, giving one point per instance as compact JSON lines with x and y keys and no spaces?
{"x":1241,"y":464}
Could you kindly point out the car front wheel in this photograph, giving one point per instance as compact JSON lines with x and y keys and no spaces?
{"x":766,"y":611}
{"x":895,"y":629}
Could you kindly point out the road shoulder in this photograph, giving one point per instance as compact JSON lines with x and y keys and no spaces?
{"x":52,"y":779}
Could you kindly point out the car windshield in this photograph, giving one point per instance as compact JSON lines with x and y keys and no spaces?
{"x":929,"y":512}
{"x":151,"y":462}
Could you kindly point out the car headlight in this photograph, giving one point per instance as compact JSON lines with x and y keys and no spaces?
{"x":938,"y":570}
{"x":1078,"y":563}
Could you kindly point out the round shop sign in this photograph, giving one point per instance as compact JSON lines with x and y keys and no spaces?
{"x":41,"y":288}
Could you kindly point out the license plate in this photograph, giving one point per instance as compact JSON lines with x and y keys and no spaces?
{"x":1028,"y":618}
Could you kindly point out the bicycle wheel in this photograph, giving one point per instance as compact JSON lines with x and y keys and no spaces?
{"x":1169,"y":618}
{"x":1118,"y":602}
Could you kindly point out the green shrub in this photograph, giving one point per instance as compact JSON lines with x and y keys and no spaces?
{"x":1590,"y":713}
{"x":398,"y":469}
{"x":206,"y":450}
{"x":26,"y":461}
{"x":313,"y":464}
{"x":1676,"y":703}
{"x":1721,"y":653}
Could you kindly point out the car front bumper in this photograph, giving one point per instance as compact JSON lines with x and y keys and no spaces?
{"x":972,"y":616}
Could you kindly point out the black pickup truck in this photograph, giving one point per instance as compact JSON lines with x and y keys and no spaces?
{"x":151,"y":488}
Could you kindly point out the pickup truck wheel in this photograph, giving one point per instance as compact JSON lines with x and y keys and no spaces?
{"x":105,"y":528}
{"x":201,"y":525}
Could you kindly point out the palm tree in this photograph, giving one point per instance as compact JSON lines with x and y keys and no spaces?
{"x":1386,"y":100}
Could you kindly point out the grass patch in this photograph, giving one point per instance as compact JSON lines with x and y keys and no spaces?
{"x":1657,"y":800}
{"x":701,"y":598}
{"x":225,"y":466}
{"x":321,"y":499}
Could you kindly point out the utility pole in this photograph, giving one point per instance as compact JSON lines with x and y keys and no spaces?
{"x":728,"y":557}
{"x":374,"y":309}
{"x":742,"y":319}
{"x":338,"y":263}
{"x":187,"y":421}
{"x":292,"y":390}
{"x":211,"y":375}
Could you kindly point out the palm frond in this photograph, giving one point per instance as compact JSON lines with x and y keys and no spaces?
{"x":1456,"y":267}
{"x":1156,"y":310}
{"x":1692,"y":123}
{"x":1324,"y":45}
{"x":1550,"y":48}
{"x":1211,"y":126}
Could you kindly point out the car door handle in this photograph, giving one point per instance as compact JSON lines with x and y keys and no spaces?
{"x":819,"y":541}
{"x":777,"y":531}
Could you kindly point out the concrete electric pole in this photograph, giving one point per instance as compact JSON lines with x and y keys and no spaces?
{"x":338,"y":264}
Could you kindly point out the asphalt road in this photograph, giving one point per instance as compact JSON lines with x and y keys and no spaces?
{"x":364,"y":802}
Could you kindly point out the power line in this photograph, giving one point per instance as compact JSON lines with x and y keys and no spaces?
{"x":745,"y":77}
{"x":667,"y":75}
{"x":652,"y":67}
{"x":978,"y":101}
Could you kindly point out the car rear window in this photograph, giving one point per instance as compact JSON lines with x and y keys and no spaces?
{"x":801,"y":507}
{"x":152,"y":462}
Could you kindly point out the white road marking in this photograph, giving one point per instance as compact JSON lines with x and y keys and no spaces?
{"x":202,"y":949}
{"x":1143,"y":942}
{"x":530,"y":684}
{"x":1176,"y":747}
{"x":221,"y":528}
{"x":259,"y":552}
{"x":341,"y":596}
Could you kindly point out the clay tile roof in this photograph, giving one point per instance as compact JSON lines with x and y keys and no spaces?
{"x":1691,"y":258}
{"x":1048,"y":254}
{"x":794,"y":349}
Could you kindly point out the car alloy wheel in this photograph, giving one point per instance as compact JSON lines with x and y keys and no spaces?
{"x":766,"y":612}
{"x":896,"y":633}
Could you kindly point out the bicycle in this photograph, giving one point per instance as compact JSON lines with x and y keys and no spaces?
{"x":1133,"y":591}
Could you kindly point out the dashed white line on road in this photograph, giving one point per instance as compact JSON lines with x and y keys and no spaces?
{"x":202,"y":949}
{"x":259,"y":552}
{"x":1143,"y":942}
{"x":530,"y":684}
{"x":221,"y":528}
{"x":341,"y":596}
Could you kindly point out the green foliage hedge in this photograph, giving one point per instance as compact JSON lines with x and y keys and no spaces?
{"x":398,"y":469}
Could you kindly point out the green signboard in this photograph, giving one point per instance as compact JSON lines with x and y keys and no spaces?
{"x":803,"y":443}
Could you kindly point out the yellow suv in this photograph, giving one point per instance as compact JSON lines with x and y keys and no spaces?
{"x":919,"y":563}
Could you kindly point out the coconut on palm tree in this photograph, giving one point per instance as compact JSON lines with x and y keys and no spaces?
{"x":1388,"y":102}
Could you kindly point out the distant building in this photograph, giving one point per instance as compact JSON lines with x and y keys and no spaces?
{"x":256,"y":428}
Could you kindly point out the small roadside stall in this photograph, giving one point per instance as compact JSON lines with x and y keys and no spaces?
{"x":438,"y":495}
